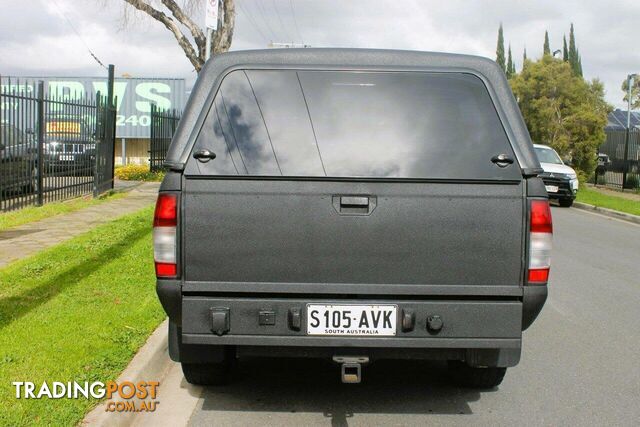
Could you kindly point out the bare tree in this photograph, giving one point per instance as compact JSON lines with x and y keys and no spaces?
{"x":177,"y":17}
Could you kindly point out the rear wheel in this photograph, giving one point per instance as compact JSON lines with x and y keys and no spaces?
{"x":469,"y":376}
{"x":565,"y":203}
{"x":207,"y":373}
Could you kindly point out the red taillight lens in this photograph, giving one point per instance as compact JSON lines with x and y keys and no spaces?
{"x":165,"y":222}
{"x":166,"y":213}
{"x":541,"y":217}
{"x":538,"y":276}
{"x":166,"y":270}
{"x":540,"y":242}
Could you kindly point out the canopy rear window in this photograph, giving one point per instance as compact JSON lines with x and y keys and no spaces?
{"x":354,"y":124}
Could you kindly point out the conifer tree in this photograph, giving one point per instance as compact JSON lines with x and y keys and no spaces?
{"x":565,"y":50}
{"x":510,"y":67}
{"x":574,"y":57}
{"x":579,"y":69}
{"x":500,"y":59}
{"x":547,"y":49}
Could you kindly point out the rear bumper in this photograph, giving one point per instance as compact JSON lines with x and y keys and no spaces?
{"x":484,"y":325}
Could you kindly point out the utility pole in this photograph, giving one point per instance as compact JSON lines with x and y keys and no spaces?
{"x":630,"y":78}
{"x":212,"y":16}
{"x":207,"y":54}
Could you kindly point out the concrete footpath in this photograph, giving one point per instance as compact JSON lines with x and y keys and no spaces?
{"x":25,"y":240}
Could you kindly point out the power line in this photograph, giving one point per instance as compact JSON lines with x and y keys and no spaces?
{"x":284,"y":29}
{"x":93,"y":55}
{"x":253,"y":21}
{"x":295,"y":21}
{"x":266,"y":21}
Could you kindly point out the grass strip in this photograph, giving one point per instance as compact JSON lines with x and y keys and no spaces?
{"x":592,"y":197}
{"x":78,"y":311}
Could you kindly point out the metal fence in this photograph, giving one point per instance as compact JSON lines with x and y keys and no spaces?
{"x":163,"y":126}
{"x":619,"y":160}
{"x":53,"y":147}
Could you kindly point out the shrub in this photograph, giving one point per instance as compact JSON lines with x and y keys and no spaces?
{"x":137,"y":173}
{"x":633,"y":181}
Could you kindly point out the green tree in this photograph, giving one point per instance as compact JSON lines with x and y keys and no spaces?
{"x":563,"y":110}
{"x":635,"y":92}
{"x":524,"y":58}
{"x":547,"y":47}
{"x":565,"y":50}
{"x":579,"y":64}
{"x":500,"y":50}
{"x":511,"y":68}
{"x":574,"y":56}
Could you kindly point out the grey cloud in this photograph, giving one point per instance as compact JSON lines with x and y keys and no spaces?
{"x":35,"y":39}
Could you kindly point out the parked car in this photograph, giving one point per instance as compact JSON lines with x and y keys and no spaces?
{"x":353,"y":205}
{"x":560,"y":180}
{"x":17,"y":162}
{"x":69,"y":145}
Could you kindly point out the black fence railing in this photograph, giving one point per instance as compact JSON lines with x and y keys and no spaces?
{"x":163,"y":126}
{"x":52,"y":147}
{"x":619,"y":160}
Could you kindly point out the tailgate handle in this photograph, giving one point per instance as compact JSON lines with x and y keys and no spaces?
{"x":354,"y":205}
{"x":354,"y":201}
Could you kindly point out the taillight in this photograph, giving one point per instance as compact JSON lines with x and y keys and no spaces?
{"x":165,"y":223}
{"x":540,"y":242}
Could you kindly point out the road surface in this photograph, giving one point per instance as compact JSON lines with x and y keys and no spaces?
{"x":580,"y":361}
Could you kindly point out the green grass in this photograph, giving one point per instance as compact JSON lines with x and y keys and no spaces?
{"x":76,"y":312}
{"x":36,"y":213}
{"x":593,"y":197}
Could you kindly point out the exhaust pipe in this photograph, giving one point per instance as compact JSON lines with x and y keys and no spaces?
{"x":351,"y":368}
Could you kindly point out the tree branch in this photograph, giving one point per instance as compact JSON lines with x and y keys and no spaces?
{"x":198,"y":36}
{"x":222,"y":39}
{"x":171,"y":25}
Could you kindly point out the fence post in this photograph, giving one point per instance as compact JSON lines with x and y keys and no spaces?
{"x":40,"y":138}
{"x":152,"y":136}
{"x":112,"y":123}
{"x":625,"y":159}
{"x":98,"y":141}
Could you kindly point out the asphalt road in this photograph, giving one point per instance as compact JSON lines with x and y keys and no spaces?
{"x":580,"y":362}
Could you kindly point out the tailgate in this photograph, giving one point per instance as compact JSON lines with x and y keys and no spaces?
{"x":297,"y":232}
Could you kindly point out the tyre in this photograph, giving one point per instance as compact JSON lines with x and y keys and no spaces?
{"x":565,"y":203}
{"x":468,"y":376}
{"x":207,"y":373}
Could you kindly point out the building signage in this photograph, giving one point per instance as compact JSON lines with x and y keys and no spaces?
{"x":134,"y":97}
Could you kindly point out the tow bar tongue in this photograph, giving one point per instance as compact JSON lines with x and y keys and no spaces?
{"x":351,"y":368}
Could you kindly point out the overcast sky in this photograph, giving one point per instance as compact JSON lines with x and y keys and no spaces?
{"x":36,"y":39}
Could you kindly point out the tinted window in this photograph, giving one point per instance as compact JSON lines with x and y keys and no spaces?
{"x":354,"y":124}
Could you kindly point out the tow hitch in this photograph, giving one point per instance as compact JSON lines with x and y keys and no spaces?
{"x":351,"y":368}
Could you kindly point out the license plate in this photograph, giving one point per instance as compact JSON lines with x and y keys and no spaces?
{"x":63,"y":127}
{"x":64,"y":158}
{"x":353,"y":320}
{"x":551,"y":188}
